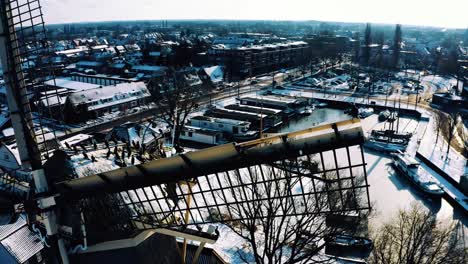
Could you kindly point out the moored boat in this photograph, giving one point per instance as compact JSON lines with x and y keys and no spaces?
{"x":391,"y":133}
{"x":386,"y":143}
{"x":365,"y":112}
{"x":384,"y":115}
{"x":349,"y":242}
{"x":411,"y":169}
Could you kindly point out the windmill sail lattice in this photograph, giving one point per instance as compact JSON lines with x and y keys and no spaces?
{"x":218,"y":184}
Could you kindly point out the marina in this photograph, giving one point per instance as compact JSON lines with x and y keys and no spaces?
{"x":391,"y":186}
{"x":394,"y":191}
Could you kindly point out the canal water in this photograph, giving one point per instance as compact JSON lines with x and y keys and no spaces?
{"x":389,"y":191}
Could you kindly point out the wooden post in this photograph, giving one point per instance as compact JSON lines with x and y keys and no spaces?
{"x":186,"y":219}
{"x":198,"y":252}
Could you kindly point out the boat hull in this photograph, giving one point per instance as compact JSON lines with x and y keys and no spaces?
{"x":384,"y":147}
{"x":242,"y":138}
{"x":406,"y":174}
{"x":349,"y":243}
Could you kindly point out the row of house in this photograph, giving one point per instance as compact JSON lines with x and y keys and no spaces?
{"x":258,"y":59}
{"x":79,"y":101}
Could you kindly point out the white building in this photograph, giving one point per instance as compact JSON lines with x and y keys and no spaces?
{"x":99,"y":101}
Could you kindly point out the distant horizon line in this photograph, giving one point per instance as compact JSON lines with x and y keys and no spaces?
{"x":251,"y":20}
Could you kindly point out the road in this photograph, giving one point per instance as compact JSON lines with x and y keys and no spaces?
{"x":242,"y":88}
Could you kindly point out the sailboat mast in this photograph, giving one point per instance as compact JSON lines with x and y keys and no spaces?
{"x":398,"y":117}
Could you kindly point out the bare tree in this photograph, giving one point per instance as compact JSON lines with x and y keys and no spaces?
{"x":437,"y":124}
{"x":380,"y":39}
{"x":367,"y":43}
{"x":284,"y":218}
{"x":175,"y":98}
{"x":415,"y":236}
{"x":463,"y":132}
{"x":449,"y":123}
{"x":396,"y":46}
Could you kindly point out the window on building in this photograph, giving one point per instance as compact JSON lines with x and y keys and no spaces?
{"x":190,"y":134}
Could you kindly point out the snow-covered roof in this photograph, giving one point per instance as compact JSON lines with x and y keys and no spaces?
{"x":221,"y":120}
{"x":132,"y":47}
{"x":22,"y":245}
{"x":148,"y":68}
{"x":71,"y":85}
{"x":118,"y":65}
{"x":120,"y":48}
{"x":89,"y":63}
{"x":215,"y":73}
{"x":259,"y":46}
{"x":18,"y":243}
{"x":99,"y":47}
{"x":13,"y":149}
{"x":135,"y":132}
{"x":155,"y":53}
{"x":203,"y":131}
{"x":52,"y":100}
{"x":76,"y":139}
{"x":71,"y":52}
{"x":110,"y":95}
{"x":8,"y":132}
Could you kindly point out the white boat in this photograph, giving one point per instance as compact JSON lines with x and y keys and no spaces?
{"x":349,"y":242}
{"x":307,"y":110}
{"x":411,"y":169}
{"x":365,"y":112}
{"x":202,"y":135}
{"x":386,"y":144}
{"x":321,"y":105}
{"x":232,"y":129}
{"x":384,"y":115}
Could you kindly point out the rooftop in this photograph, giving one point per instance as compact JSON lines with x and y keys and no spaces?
{"x":221,"y":120}
{"x":71,"y":85}
{"x":110,"y":95}
{"x":17,"y":243}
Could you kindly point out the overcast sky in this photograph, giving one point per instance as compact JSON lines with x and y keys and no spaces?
{"x":443,"y":13}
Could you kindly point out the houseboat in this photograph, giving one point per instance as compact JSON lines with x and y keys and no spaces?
{"x":284,"y":114}
{"x":202,"y":135}
{"x":232,"y":129}
{"x":349,"y":242}
{"x":271,"y":101}
{"x":254,"y":109}
{"x":256,"y":120}
{"x":392,"y":133}
{"x":386,"y":143}
{"x":365,"y":112}
{"x":411,"y":169}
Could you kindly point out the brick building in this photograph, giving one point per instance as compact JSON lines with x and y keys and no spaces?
{"x":258,"y":59}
